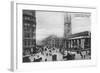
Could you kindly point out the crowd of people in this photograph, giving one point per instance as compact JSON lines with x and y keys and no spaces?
{"x":56,"y":54}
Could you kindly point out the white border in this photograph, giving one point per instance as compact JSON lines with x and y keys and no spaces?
{"x":17,"y":34}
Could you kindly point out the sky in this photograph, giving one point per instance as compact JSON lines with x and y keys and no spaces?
{"x":52,"y":23}
{"x":80,"y":22}
{"x":49,"y":23}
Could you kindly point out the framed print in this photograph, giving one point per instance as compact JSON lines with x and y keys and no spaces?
{"x":52,"y":36}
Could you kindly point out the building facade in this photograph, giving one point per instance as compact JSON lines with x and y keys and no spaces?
{"x":29,"y":31}
{"x":80,"y":41}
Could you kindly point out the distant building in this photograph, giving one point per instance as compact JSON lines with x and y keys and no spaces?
{"x":53,"y":41}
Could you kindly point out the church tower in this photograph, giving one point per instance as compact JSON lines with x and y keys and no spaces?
{"x":67,"y":25}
